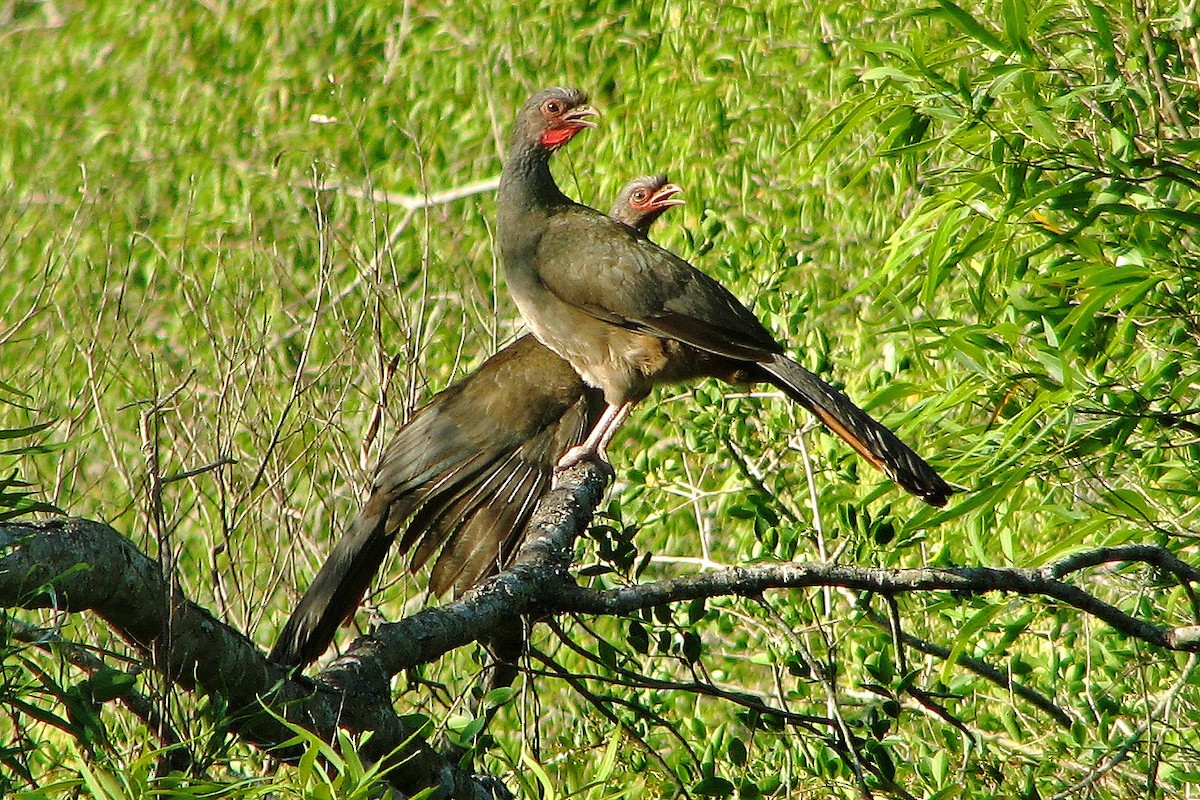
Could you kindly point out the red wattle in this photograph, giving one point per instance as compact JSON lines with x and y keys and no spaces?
{"x":556,"y":137}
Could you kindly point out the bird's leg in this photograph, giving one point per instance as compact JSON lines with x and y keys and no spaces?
{"x":618,"y":419}
{"x":596,"y":444}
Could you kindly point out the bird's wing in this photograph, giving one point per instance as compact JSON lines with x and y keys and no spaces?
{"x":516,"y":393}
{"x":431,"y":483}
{"x":617,"y":275}
{"x":484,"y":521}
{"x":476,"y":521}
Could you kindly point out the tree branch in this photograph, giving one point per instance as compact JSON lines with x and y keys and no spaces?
{"x":984,"y":670}
{"x":80,"y":565}
{"x":752,"y":581}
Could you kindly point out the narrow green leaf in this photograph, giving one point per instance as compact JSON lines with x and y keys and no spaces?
{"x":971,"y":27}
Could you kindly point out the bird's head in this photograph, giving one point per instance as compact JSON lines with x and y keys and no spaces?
{"x":553,"y":116}
{"x":644,"y":200}
{"x":653,"y":194}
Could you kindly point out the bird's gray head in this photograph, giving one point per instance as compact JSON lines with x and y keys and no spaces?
{"x":643,"y":200}
{"x":551,"y":117}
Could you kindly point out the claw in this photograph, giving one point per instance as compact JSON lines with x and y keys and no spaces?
{"x":581,"y":453}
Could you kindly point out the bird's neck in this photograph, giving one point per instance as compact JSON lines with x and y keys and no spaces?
{"x":527,"y":182}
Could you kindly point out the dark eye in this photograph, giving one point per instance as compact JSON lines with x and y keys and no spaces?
{"x":639,"y":196}
{"x":552,"y":107}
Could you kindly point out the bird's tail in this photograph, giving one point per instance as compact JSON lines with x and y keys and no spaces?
{"x":338,"y":588}
{"x":878,"y":445}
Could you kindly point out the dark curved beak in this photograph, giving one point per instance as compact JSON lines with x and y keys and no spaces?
{"x":578,"y":117}
{"x":665,"y":197}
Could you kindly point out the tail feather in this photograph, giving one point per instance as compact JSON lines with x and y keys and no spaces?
{"x":874,"y":442}
{"x":340,"y":585}
{"x":500,"y":513}
{"x":468,"y":518}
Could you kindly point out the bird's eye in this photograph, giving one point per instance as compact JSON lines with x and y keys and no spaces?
{"x":552,"y":107}
{"x":639,"y":196}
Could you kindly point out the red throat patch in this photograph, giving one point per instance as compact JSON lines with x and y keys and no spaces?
{"x":557,"y":137}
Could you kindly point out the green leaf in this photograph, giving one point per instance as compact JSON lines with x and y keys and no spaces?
{"x":966,"y":636}
{"x":29,"y":430}
{"x":1016,"y":27}
{"x":736,"y":750}
{"x":713,"y":786}
{"x":638,"y":638}
{"x":971,"y":27}
{"x":498,"y":696}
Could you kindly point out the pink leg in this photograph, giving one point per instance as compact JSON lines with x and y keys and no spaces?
{"x":596,"y":444}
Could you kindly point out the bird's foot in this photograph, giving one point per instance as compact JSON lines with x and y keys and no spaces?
{"x":580,"y":453}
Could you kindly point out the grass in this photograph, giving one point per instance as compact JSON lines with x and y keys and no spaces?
{"x":968,"y":218}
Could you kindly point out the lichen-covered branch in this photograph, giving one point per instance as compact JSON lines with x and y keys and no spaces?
{"x":751,"y":581}
{"x":79,"y":565}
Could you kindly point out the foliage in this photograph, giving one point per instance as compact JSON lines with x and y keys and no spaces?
{"x":18,"y":497}
{"x":981,"y":219}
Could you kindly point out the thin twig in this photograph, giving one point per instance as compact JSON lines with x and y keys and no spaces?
{"x":1156,"y":76}
{"x":625,"y":677}
{"x":598,"y":703}
{"x":1120,"y":752}
{"x":983,"y":670}
{"x":411,"y":205}
{"x":417,"y":202}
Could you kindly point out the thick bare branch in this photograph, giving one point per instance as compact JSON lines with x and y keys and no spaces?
{"x":752,"y":581}
{"x":81,"y":565}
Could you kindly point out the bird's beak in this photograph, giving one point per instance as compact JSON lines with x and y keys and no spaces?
{"x":578,"y":117}
{"x":665,"y":197}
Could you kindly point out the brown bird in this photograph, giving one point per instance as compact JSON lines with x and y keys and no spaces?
{"x":629,"y":315}
{"x":464,"y":474}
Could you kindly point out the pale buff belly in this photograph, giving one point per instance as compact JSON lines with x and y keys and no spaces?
{"x":625,"y":365}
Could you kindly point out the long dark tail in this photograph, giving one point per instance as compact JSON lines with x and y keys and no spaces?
{"x":878,"y":445}
{"x":338,"y":588}
{"x":469,"y":512}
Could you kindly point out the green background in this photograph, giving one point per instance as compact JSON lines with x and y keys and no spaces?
{"x":980,"y":221}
